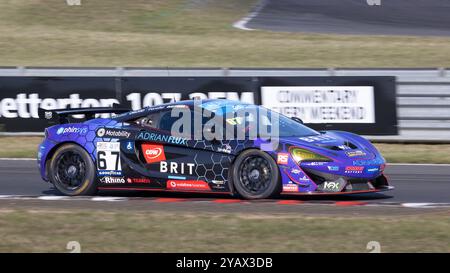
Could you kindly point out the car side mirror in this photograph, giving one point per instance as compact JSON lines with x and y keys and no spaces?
{"x":299,"y":120}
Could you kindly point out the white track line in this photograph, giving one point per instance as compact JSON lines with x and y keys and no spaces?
{"x":122,"y":199}
{"x":241,"y":24}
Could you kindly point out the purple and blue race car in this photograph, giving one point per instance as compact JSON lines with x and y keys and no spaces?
{"x":137,"y":150}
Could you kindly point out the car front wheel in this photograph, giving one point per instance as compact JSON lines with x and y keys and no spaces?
{"x":255,"y":175}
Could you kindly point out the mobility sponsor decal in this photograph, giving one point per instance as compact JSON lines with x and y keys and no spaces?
{"x":187,"y":185}
{"x":354,"y":169}
{"x":72,"y":130}
{"x":282,"y":158}
{"x":161,"y":138}
{"x":153,"y":153}
{"x":113,"y":133}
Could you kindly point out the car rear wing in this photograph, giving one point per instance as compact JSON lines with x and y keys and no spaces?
{"x":62,"y":116}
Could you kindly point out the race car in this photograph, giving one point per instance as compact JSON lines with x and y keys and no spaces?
{"x":139,"y":150}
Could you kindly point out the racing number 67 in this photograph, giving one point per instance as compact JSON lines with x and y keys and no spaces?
{"x":102,"y":162}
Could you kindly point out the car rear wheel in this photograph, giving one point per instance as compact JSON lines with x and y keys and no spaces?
{"x":255,"y":175}
{"x":72,"y":171}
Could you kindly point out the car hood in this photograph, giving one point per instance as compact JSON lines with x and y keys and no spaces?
{"x":335,"y":144}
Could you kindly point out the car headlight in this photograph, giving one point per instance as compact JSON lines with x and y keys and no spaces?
{"x":302,"y":155}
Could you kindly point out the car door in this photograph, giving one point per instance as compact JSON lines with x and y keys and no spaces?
{"x":180,"y":163}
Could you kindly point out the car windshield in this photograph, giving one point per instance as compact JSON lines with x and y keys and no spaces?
{"x":254,"y":117}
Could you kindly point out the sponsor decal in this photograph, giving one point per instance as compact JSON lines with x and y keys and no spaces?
{"x":290,"y":188}
{"x":138,"y":180}
{"x":112,"y":180}
{"x":373,"y":170}
{"x":333,"y":168}
{"x":282,"y":158}
{"x":153,"y":153}
{"x":113,"y":133}
{"x":331,"y":186}
{"x":354,"y":169}
{"x":321,"y":138}
{"x":109,"y":173}
{"x":176,"y":168}
{"x":304,"y":178}
{"x":224,"y":149}
{"x":130,"y":146}
{"x":315,"y":163}
{"x":355,"y":153}
{"x":101,"y":132}
{"x":187,"y":185}
{"x":376,"y":161}
{"x":218,"y":182}
{"x":177,"y":177}
{"x":295,"y":171}
{"x":72,"y":130}
{"x":162,"y":138}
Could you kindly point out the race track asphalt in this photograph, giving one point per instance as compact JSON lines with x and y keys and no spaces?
{"x":413,"y":184}
{"x":392,"y":17}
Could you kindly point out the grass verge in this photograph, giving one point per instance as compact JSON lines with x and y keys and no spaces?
{"x":187,"y":33}
{"x":44,"y":231}
{"x":21,"y":147}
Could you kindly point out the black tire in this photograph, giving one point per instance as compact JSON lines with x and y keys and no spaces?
{"x":72,"y":171}
{"x":255,"y":175}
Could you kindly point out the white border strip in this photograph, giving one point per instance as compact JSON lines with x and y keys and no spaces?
{"x":241,"y":24}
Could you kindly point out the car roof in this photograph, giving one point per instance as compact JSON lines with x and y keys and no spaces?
{"x":213,"y":105}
